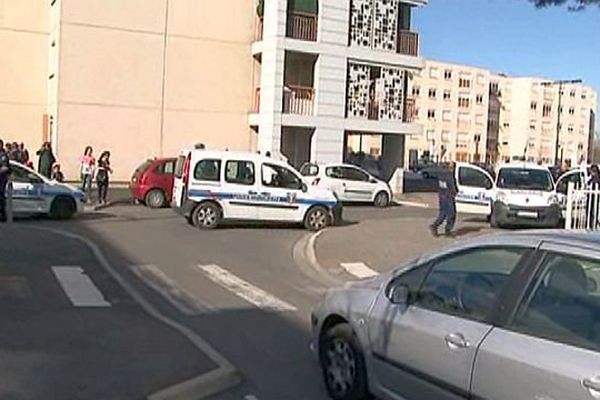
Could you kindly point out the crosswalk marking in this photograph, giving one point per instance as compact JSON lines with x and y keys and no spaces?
{"x":243,"y":289}
{"x":78,"y":287}
{"x":178,"y":297}
{"x":359,"y":269}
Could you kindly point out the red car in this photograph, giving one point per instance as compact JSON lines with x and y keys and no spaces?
{"x":152,"y":182}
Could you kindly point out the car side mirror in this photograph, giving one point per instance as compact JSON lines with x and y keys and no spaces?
{"x":304,"y":187}
{"x":400,"y":295}
{"x":372,"y":180}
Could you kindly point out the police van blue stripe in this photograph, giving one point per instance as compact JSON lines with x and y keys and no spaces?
{"x":205,"y":194}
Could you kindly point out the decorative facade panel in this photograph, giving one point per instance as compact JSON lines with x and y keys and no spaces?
{"x":385,"y":24}
{"x":358,"y":90}
{"x":391,"y":95}
{"x":361,"y":23}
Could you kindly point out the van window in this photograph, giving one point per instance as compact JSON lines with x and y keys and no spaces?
{"x":525,"y":179}
{"x":240,"y":172}
{"x":208,"y":170}
{"x":280,"y":177}
{"x":309,"y":170}
{"x":179,"y":166}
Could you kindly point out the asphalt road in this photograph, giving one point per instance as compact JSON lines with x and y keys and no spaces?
{"x":237,"y":287}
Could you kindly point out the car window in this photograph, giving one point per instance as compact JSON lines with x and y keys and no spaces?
{"x":334,"y":172}
{"x":353,"y":174}
{"x":143,"y":166}
{"x":412,"y":279}
{"x":563,"y":183}
{"x":208,"y":170}
{"x":563,"y":303}
{"x":525,"y":179}
{"x":240,"y":172}
{"x":21,"y":175}
{"x":309,"y":170}
{"x":169,"y":168}
{"x":468,"y":284}
{"x":280,"y":177}
{"x":473,"y":178}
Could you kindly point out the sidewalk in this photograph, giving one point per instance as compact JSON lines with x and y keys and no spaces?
{"x":70,"y":331}
{"x":384,"y":244}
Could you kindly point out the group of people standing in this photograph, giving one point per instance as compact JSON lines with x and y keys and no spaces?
{"x":101,"y":169}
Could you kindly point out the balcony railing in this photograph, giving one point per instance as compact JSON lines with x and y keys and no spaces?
{"x":408,"y":43}
{"x":256,"y":104}
{"x":258,"y":35}
{"x":298,"y":100}
{"x":302,"y":26}
{"x":410,"y":110}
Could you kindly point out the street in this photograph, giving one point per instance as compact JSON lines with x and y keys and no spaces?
{"x":247,"y":291}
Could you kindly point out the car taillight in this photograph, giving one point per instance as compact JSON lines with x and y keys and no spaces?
{"x":316,"y":181}
{"x":134,"y":179}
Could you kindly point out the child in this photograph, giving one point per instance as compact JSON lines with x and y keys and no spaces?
{"x":57,"y":175}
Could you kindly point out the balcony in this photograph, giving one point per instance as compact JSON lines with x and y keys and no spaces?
{"x":410,"y":111}
{"x":298,"y":100}
{"x":408,"y":43}
{"x":302,"y":26}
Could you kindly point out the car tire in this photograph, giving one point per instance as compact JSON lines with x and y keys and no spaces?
{"x":316,"y":218}
{"x":155,"y":198}
{"x":343,"y":364}
{"x":494,"y":223}
{"x":62,"y":208}
{"x":425,"y":175}
{"x":207,"y":216}
{"x":382,"y":200}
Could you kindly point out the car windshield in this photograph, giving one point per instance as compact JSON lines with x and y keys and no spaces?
{"x":143,"y":166}
{"x":525,"y":179}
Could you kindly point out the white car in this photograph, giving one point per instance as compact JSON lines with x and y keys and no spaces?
{"x":349,"y":183}
{"x":33,"y":194}
{"x":212,"y":186}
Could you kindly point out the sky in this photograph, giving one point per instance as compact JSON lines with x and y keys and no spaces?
{"x":513,"y":37}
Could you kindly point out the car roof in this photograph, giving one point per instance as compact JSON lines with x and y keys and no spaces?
{"x":523,"y":165}
{"x":242,"y":155}
{"x":560,"y":236}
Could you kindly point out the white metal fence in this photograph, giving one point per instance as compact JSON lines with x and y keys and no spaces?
{"x":583,"y":208}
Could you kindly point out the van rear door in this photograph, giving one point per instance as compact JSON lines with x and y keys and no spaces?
{"x":182,"y":173}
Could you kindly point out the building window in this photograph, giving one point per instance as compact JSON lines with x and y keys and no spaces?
{"x":464,"y":83}
{"x":463,"y":102}
{"x":448,"y":74}
{"x":546,"y":110}
{"x":479,"y":119}
{"x":430,"y":114}
{"x":434,"y":72}
{"x":580,"y":146}
{"x":445,"y":136}
{"x":583,"y":96}
{"x":479,"y":99}
{"x":561,"y":109}
{"x":572,"y":111}
{"x":416,"y":91}
{"x":532,"y":124}
{"x":447,"y":115}
{"x":432,"y":93}
{"x":494,"y":87}
{"x":573,"y":93}
{"x":430,"y":135}
{"x":506,"y":125}
{"x":533,"y":105}
{"x":570,"y":129}
{"x":447,"y":94}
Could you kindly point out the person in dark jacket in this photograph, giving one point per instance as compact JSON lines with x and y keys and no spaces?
{"x":447,"y":200}
{"x":4,"y":175}
{"x":46,"y":160}
{"x":102,"y":176}
{"x":593,"y":200}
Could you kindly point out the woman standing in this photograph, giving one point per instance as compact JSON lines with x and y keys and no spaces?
{"x":87,"y":164}
{"x":102,"y":176}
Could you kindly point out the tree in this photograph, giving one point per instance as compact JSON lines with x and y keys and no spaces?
{"x":573,"y":4}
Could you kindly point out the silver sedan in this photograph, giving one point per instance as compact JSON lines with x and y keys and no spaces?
{"x":506,"y":317}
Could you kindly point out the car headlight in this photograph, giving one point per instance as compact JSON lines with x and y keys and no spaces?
{"x":502,"y":197}
{"x":553,"y":199}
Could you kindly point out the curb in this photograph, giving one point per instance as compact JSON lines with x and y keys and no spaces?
{"x":224,"y":377}
{"x":305,"y":257}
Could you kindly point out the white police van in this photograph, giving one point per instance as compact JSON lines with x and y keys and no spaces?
{"x":212,"y":186}
{"x":522,"y":194}
{"x":33,"y":194}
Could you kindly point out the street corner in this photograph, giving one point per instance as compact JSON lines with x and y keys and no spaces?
{"x":67,"y":320}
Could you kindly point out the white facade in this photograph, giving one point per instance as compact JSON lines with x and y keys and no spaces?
{"x":319,"y":112}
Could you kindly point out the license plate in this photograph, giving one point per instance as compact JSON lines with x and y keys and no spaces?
{"x":527,"y":214}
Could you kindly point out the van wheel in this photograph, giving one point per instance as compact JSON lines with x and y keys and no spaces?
{"x":343,"y":364}
{"x":382,"y":200}
{"x":206,"y":216}
{"x":494,"y":220}
{"x":62,"y":208}
{"x":155,"y":199}
{"x":316,"y":218}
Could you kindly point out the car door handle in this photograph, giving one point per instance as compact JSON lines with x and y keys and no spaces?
{"x":252,"y":193}
{"x":456,"y":341}
{"x":593,"y":385}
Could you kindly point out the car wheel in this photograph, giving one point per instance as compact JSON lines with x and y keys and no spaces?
{"x":316,"y":218}
{"x":343,"y":364}
{"x":155,"y":199}
{"x":62,"y":208}
{"x":206,"y":216}
{"x":425,"y":175}
{"x":494,"y":220}
{"x":382,"y":200}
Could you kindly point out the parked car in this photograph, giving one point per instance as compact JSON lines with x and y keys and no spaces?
{"x":152,"y":182}
{"x":350,"y":183}
{"x":33,"y":194}
{"x":502,"y":317}
{"x":212,"y":186}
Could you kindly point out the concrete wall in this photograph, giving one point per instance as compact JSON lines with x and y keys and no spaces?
{"x":145,"y":78}
{"x":23,"y":70}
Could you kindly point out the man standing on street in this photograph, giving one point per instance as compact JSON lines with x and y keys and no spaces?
{"x":4,"y":173}
{"x":447,"y":198}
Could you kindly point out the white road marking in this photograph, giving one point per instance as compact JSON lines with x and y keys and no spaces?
{"x":243,"y":289}
{"x":78,"y":287}
{"x":178,"y":297}
{"x":359,"y":269}
{"x":411,"y":204}
{"x":250,"y":397}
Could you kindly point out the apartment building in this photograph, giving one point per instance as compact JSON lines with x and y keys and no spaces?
{"x":144,"y":78}
{"x":451,"y":102}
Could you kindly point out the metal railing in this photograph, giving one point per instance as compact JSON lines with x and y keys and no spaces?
{"x":298,"y":100}
{"x":582,"y":208}
{"x":302,"y":26}
{"x":408,"y":43}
